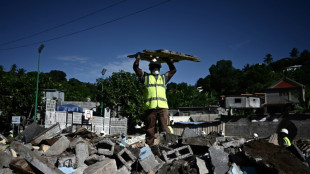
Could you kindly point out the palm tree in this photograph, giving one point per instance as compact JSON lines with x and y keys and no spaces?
{"x":268,"y":59}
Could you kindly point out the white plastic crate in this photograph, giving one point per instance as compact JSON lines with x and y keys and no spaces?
{"x":118,"y":122}
{"x":118,"y":130}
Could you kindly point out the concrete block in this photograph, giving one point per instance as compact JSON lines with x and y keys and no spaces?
{"x":201,"y":166}
{"x":150,"y":163}
{"x":126,"y":157}
{"x":199,"y":141}
{"x":5,"y":159}
{"x":58,"y":147}
{"x":81,"y":152}
{"x":170,"y":156}
{"x":67,"y":161}
{"x":184,"y":152}
{"x":37,"y":161}
{"x":187,"y":133}
{"x":47,"y":134}
{"x":75,"y":141}
{"x":219,"y":160}
{"x":105,"y":166}
{"x":105,"y":147}
{"x":235,"y":143}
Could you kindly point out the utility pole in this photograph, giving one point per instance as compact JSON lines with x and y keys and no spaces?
{"x":36,"y":104}
{"x":102,"y":72}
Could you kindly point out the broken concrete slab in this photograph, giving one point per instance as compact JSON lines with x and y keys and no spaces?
{"x":168,"y":139}
{"x":106,"y":166}
{"x":219,"y":159}
{"x":33,"y":158}
{"x":188,"y":133}
{"x":58,"y":147}
{"x":234,"y":143}
{"x":274,"y":158}
{"x":20,"y":165}
{"x":5,"y":159}
{"x":81,"y":151}
{"x":47,"y":134}
{"x":32,"y":131}
{"x":92,"y":159}
{"x":201,"y":166}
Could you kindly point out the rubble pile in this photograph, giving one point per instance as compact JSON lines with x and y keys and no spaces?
{"x":54,"y":151}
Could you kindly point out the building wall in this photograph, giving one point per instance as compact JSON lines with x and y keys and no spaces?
{"x":243,"y":127}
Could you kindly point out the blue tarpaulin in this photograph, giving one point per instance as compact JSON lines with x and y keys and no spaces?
{"x":69,"y":108}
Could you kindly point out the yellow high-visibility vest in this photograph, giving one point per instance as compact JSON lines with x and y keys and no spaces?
{"x":155,"y":92}
{"x":287,"y":141}
{"x":171,"y":129}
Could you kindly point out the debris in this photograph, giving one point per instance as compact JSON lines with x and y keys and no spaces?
{"x":273,"y":158}
{"x":48,"y":133}
{"x":35,"y":159}
{"x":5,"y":159}
{"x":105,"y":166}
{"x":219,"y":159}
{"x":58,"y":147}
{"x":202,"y":166}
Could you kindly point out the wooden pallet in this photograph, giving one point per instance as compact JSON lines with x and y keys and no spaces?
{"x":162,"y":54}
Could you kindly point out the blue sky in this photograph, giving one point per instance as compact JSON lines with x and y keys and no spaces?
{"x":242,"y":31}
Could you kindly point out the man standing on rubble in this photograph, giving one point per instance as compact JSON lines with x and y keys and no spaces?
{"x":284,"y":140}
{"x":155,"y":96}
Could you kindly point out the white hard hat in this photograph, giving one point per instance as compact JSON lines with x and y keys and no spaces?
{"x":102,"y":132}
{"x":284,"y":131}
{"x":255,"y":135}
{"x":11,"y":131}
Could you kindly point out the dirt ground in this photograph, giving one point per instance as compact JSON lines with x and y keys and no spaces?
{"x":277,"y":159}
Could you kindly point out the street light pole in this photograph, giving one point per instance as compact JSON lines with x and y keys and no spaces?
{"x":37,"y":90}
{"x":102,"y":72}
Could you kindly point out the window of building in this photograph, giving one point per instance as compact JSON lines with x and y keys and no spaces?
{"x":237,"y":100}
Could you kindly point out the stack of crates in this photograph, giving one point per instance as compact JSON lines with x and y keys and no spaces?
{"x":97,"y":124}
{"x":106,"y":121}
{"x":118,"y":126}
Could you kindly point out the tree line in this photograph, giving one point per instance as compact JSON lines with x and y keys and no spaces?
{"x":123,"y":89}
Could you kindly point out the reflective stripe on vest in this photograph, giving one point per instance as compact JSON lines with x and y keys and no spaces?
{"x":171,"y":129}
{"x":287,"y":141}
{"x":155,"y":92}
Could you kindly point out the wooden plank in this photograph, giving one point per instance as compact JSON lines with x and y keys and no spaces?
{"x":162,"y":54}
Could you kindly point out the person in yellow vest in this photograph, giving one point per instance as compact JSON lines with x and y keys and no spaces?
{"x":284,"y":140}
{"x":10,"y":137}
{"x":155,"y":96}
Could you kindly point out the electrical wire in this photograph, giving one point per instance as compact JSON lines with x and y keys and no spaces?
{"x":61,"y":25}
{"x":89,"y":28}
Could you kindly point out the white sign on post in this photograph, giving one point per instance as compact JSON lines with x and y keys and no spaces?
{"x":15,"y":119}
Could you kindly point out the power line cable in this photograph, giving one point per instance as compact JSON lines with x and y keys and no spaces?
{"x":63,"y":24}
{"x":89,"y":28}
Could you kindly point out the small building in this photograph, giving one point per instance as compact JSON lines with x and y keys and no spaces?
{"x":242,"y":102}
{"x":282,"y":95}
{"x":54,"y":94}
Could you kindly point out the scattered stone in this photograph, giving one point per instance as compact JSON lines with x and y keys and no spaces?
{"x":188,"y":133}
{"x":47,"y":134}
{"x":235,"y":143}
{"x":66,"y":160}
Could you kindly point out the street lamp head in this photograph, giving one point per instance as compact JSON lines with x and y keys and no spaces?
{"x":103,"y":71}
{"x":41,"y":48}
